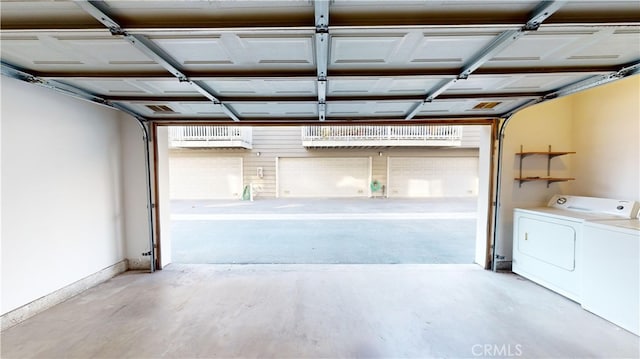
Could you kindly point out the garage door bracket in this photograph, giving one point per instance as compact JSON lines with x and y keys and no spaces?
{"x":321,"y":9}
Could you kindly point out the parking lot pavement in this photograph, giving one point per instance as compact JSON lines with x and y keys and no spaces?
{"x":332,"y":205}
{"x":345,"y":231}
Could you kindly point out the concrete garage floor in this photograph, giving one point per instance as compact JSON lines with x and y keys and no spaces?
{"x":322,"y":231}
{"x":318,"y":311}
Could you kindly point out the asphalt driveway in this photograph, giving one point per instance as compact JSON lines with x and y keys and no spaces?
{"x":347,"y":231}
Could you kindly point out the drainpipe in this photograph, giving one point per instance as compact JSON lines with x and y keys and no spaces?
{"x":147,"y":163}
{"x":498,"y":191}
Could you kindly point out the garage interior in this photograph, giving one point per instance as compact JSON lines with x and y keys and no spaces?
{"x":89,"y":89}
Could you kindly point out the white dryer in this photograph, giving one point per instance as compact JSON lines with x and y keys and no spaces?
{"x":611,"y":276}
{"x":547,"y":240}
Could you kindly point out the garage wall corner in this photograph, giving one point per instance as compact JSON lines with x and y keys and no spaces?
{"x":136,"y":219}
{"x":62,"y":192}
{"x":535,"y":128}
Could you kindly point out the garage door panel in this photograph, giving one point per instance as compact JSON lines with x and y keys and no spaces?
{"x":420,"y":177}
{"x":323,"y":177}
{"x":195,"y":177}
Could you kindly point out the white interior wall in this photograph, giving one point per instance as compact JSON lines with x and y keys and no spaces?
{"x":484,"y":181}
{"x":164,"y":201}
{"x":135,"y":193}
{"x":62,"y":210}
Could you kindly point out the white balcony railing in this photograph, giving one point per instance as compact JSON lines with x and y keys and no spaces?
{"x":210,"y":136}
{"x":365,"y":135}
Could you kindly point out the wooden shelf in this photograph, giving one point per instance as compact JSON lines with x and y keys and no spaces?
{"x":549,"y":154}
{"x":548,"y":179}
{"x":545,"y":153}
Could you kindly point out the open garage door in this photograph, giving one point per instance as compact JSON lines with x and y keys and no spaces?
{"x":420,"y":177}
{"x":324,"y":177}
{"x":318,"y":189}
{"x":198,"y":176}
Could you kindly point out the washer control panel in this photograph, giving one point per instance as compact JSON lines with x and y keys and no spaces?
{"x":616,"y":207}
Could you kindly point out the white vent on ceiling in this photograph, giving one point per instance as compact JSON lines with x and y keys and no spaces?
{"x":486,"y":105}
{"x":160,"y":109}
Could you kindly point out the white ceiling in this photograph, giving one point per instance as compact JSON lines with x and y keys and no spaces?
{"x":263,"y":61}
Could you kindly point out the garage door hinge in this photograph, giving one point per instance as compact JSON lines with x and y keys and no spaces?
{"x":499,"y":256}
{"x":146,"y":254}
{"x":117,"y":31}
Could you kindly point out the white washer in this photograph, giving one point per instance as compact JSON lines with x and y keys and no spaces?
{"x":547,"y":240}
{"x":611,"y":271}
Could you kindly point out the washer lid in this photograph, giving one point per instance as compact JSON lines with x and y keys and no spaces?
{"x":570,"y":215}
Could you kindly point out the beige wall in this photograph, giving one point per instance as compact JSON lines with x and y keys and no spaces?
{"x":272,"y":142}
{"x":535,"y":128}
{"x":606,"y":137}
